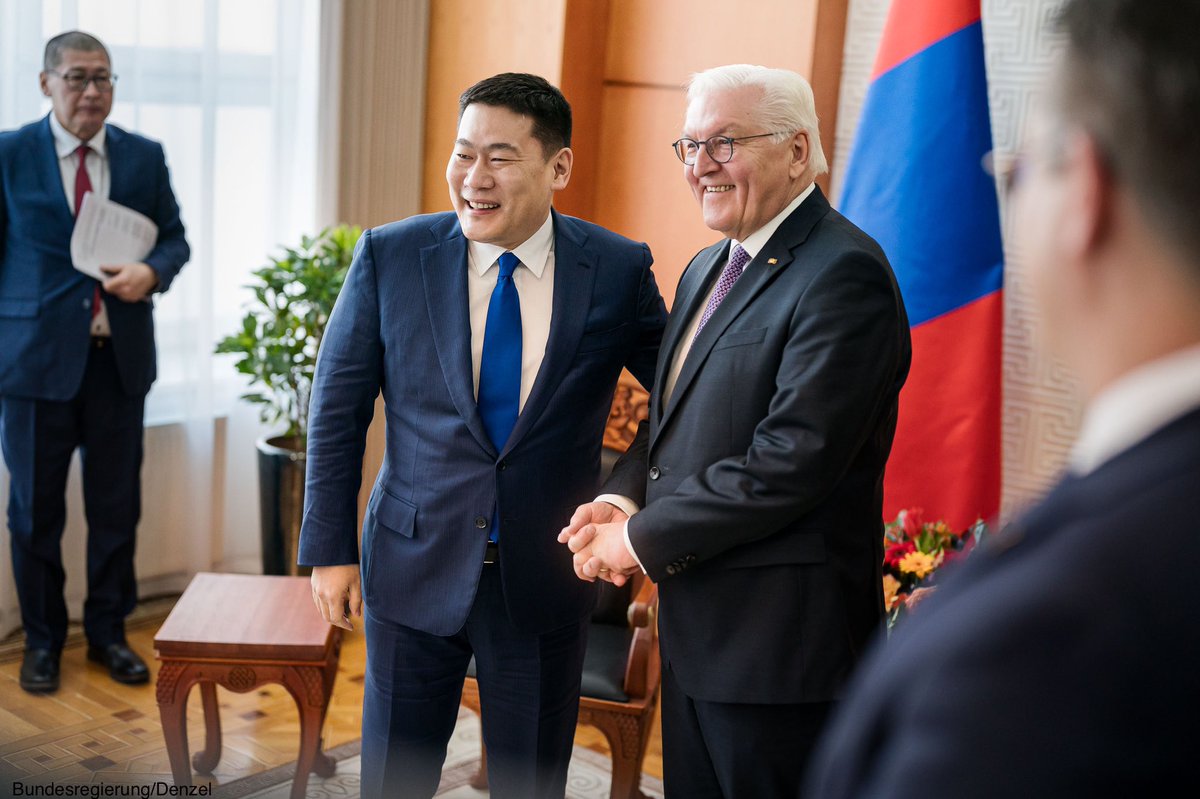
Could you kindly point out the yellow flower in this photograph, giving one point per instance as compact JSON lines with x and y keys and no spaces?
{"x":891,"y":587}
{"x":920,"y":563}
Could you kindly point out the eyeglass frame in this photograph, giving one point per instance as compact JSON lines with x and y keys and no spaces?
{"x":87,"y":79}
{"x":708,"y":147}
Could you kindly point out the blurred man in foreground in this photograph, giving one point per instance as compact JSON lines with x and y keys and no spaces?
{"x":1062,"y":659}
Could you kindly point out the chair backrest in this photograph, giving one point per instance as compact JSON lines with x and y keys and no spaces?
{"x":613,"y":605}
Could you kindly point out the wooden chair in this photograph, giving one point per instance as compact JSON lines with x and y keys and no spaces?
{"x":621,"y":672}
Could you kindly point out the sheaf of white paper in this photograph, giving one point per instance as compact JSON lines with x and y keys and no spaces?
{"x":109,"y":233}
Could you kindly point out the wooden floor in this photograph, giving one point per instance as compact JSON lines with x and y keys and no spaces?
{"x":93,"y":729}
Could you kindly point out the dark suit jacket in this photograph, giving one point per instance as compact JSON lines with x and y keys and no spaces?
{"x":45,"y":304}
{"x":1061,"y":660}
{"x":401,"y":324}
{"x":762,"y":511}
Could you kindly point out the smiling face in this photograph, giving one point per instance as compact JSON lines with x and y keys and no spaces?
{"x":80,"y":112}
{"x":743,"y":194}
{"x":501,"y":182}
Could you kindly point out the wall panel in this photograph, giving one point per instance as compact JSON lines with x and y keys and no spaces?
{"x":640,"y":189}
{"x":469,"y":41}
{"x":664,"y":42}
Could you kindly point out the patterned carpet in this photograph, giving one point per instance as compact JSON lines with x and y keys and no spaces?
{"x":588,"y":777}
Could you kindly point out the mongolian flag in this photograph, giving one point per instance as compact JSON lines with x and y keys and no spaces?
{"x":916,"y":183}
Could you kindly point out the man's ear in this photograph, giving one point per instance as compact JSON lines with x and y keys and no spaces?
{"x":42,"y":81}
{"x":800,"y":154}
{"x":561,"y":163}
{"x":1090,"y":189}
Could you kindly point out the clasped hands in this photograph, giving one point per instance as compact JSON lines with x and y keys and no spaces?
{"x":596,"y":534}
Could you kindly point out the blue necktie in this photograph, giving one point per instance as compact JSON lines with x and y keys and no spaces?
{"x":500,"y":368}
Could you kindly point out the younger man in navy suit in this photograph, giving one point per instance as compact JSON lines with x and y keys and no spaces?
{"x":78,"y":354}
{"x":496,"y":334}
{"x":1063,"y":659}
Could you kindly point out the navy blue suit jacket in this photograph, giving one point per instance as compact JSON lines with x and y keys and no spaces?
{"x":401,"y":325}
{"x":45,"y":304}
{"x":1060,"y":660}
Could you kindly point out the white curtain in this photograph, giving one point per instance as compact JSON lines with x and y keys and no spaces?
{"x":231,"y":89}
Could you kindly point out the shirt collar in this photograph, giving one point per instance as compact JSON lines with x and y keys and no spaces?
{"x":66,"y":143}
{"x":1137,"y":404}
{"x":532,"y":252}
{"x":759,"y":238}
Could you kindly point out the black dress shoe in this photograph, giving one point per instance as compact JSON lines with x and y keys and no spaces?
{"x":39,"y":671}
{"x":123,"y":663}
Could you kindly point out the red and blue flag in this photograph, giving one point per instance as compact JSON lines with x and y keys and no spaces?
{"x":916,"y":183}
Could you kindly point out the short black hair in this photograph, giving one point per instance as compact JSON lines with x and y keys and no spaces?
{"x":71,"y":40}
{"x":1131,"y":79}
{"x":528,"y":95}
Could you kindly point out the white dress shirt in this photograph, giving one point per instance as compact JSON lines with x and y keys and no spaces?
{"x":534,"y":279}
{"x":1135,"y":406}
{"x":753,"y":246}
{"x":65,"y":145}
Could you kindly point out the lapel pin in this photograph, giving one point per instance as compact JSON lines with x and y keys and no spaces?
{"x":772,"y":261}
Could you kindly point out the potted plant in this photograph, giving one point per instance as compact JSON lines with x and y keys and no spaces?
{"x":277,"y":348}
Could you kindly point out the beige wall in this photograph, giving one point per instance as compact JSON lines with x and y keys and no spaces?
{"x":469,"y":41}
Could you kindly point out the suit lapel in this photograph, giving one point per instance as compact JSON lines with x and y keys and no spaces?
{"x":782,"y":248}
{"x":693,"y":289}
{"x":444,"y":273}
{"x":45,"y":156}
{"x":120,"y":177}
{"x":574,"y":275}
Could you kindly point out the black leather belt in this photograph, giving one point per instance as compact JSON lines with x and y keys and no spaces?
{"x":492,"y":553}
{"x":100,"y":342}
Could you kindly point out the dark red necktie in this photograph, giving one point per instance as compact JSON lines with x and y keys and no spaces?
{"x":83,"y":184}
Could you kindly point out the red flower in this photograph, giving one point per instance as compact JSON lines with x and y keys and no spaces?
{"x":912,"y":522}
{"x":895,"y":553}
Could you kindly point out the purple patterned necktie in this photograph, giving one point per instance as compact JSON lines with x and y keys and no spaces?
{"x":733,"y":270}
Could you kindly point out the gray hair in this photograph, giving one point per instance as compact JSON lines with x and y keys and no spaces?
{"x":787,"y":102}
{"x":71,"y":40}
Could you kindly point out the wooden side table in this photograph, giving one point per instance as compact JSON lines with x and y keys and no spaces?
{"x":243,"y":631}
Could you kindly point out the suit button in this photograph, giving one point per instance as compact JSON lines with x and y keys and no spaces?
{"x":502,"y":465}
{"x":481,"y":522}
{"x":690,"y":559}
{"x":671,"y":569}
{"x":654,"y":473}
{"x":87,"y":303}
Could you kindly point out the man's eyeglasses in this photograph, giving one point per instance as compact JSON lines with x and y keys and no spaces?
{"x":78,"y":82}
{"x":719,"y":148}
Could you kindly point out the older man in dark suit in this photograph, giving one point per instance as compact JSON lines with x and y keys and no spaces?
{"x":1062,"y":660}
{"x":78,"y":354}
{"x":759,"y":474}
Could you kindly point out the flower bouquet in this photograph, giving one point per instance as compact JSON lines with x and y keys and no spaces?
{"x":913,"y":551}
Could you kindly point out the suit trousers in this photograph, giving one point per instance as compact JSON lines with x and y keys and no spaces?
{"x":722,"y":750}
{"x":39,"y":438}
{"x":528,"y":690}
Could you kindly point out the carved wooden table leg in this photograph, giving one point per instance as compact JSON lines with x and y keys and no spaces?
{"x":306,"y":685}
{"x":204,"y":762}
{"x":171,"y":691}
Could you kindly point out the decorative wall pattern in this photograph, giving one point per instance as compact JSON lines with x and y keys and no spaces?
{"x":1041,"y":411}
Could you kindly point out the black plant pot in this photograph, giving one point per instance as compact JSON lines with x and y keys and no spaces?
{"x":281,"y":502}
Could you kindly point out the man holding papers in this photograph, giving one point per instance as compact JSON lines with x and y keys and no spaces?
{"x":78,"y":353}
